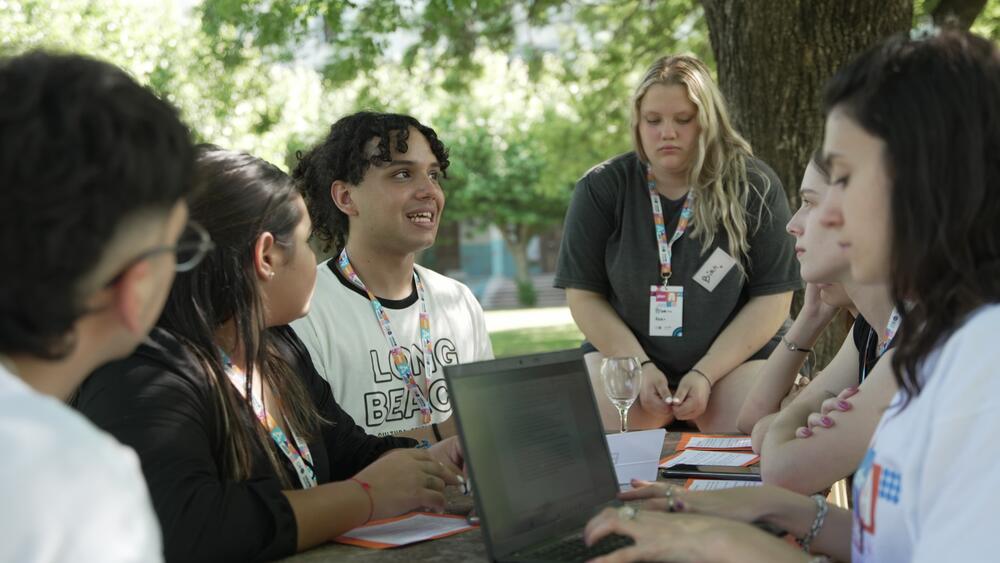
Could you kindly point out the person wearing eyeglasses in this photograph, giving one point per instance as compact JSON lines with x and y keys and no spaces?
{"x":94,"y":170}
{"x":247,"y":454}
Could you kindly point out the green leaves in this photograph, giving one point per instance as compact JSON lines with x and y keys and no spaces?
{"x":229,"y":93}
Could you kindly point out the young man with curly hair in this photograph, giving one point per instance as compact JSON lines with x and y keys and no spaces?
{"x":381,"y":327}
{"x":94,"y":170}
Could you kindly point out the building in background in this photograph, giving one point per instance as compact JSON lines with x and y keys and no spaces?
{"x":478,"y":257}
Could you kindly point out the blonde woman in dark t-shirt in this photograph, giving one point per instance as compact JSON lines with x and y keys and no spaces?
{"x":721,"y":259}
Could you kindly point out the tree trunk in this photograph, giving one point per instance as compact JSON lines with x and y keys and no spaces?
{"x":519,"y":252}
{"x":773,"y":57}
{"x":516,"y":238}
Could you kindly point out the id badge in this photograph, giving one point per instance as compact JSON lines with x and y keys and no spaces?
{"x":666,"y":310}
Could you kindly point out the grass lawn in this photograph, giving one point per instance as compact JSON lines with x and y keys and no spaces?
{"x":531,"y":340}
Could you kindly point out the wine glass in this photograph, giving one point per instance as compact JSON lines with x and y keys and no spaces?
{"x":622,"y":380}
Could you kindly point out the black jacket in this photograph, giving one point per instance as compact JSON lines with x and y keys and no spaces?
{"x":160,"y":402}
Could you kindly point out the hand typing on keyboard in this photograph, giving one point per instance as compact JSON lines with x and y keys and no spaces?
{"x":664,"y":536}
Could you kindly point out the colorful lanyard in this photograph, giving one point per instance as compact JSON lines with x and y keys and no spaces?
{"x":890,"y":330}
{"x":395,"y":350}
{"x":665,"y":246}
{"x":302,"y":462}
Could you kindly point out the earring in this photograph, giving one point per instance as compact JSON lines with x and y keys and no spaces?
{"x":272,"y":275}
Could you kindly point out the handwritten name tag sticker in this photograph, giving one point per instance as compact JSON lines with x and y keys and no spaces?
{"x":714,"y":269}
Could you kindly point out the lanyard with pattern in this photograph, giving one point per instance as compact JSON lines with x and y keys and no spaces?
{"x":890,"y":330}
{"x":665,"y":246}
{"x":399,"y":359}
{"x":297,"y":453}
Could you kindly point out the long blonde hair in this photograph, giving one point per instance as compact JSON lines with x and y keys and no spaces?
{"x":718,"y":174}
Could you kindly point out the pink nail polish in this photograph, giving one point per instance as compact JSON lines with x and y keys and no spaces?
{"x":843,"y":405}
{"x":827,"y":421}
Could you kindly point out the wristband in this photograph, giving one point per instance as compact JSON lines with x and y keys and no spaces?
{"x":701,"y":373}
{"x":821,"y":509}
{"x":793,"y":347}
{"x":371,"y":501}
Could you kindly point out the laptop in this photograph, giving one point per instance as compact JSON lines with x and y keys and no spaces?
{"x":536,"y":453}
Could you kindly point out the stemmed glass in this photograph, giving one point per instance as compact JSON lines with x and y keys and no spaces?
{"x":622,"y":380}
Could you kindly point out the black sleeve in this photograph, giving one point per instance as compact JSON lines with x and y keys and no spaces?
{"x":349,"y":446}
{"x":773,"y":267}
{"x":169,"y":420}
{"x":866,"y":341}
{"x":588,"y":225}
{"x":860,"y":331}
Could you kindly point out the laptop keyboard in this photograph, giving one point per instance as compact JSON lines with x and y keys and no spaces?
{"x":573,"y":549}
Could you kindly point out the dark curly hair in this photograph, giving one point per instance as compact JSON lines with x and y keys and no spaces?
{"x":344,"y":155}
{"x":82,"y":147}
{"x":935,"y":102}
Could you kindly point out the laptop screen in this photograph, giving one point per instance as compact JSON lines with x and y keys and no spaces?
{"x":535,"y":445}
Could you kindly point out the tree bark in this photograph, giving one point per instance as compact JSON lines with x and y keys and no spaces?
{"x":773,"y":57}
{"x":517,"y":237}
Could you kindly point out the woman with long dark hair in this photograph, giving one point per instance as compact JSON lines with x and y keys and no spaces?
{"x":912,"y":138}
{"x":245,"y":451}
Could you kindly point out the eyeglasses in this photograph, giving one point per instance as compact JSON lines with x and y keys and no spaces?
{"x":191,"y":248}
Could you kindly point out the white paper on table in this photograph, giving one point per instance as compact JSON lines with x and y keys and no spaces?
{"x":705,"y":443}
{"x":699,"y":457}
{"x":636,"y":454}
{"x":716,"y":484}
{"x":406,"y":529}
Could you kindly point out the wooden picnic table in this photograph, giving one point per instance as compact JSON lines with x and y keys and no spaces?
{"x":466,"y":546}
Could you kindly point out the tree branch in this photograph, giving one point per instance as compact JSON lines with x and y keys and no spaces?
{"x":960,"y":13}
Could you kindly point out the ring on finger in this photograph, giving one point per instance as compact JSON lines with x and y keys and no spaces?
{"x":670,"y":499}
{"x":627,"y":512}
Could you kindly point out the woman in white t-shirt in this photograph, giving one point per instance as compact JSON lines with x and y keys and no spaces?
{"x":912,"y":138}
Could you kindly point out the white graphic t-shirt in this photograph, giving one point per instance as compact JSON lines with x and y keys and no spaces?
{"x":68,"y":491}
{"x":349,"y":350}
{"x":927,"y":488}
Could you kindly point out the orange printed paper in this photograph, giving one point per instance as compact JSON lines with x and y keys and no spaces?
{"x":714,"y":442}
{"x":404,"y":530}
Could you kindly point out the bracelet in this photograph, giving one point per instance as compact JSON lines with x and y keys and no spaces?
{"x":701,"y":373}
{"x":821,"y":508}
{"x":793,"y":347}
{"x":371,"y":502}
{"x":643,"y":363}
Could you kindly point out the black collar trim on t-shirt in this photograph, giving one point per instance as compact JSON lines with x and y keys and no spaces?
{"x":387,"y":303}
